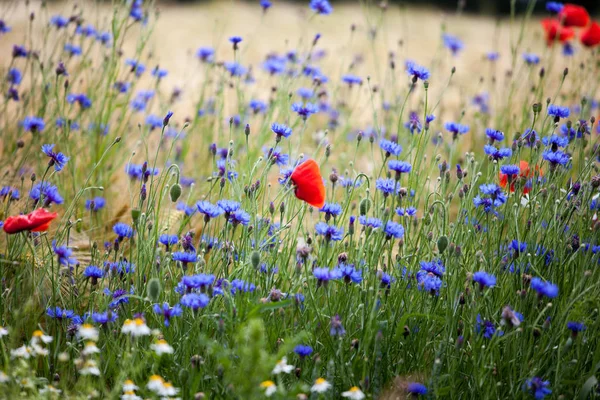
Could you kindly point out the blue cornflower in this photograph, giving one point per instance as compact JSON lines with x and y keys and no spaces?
{"x":349,"y":273}
{"x":435,"y":267}
{"x":19,"y":51}
{"x":167,"y":311}
{"x":229,"y":206}
{"x":416,"y":71}
{"x":136,"y":67}
{"x":390,"y":148}
{"x":492,"y":56}
{"x":154,"y":121}
{"x":575,"y":327}
{"x":401,"y":167}
{"x":453,"y":43}
{"x":554,"y":7}
{"x":495,"y":197}
{"x":274,"y":65}
{"x":159,"y":73}
{"x":206,"y":54}
{"x":94,"y":273}
{"x":275,"y":156}
{"x":281,"y":130}
{"x":329,"y":232}
{"x":168,"y":240}
{"x":123,"y":87}
{"x":3,"y":27}
{"x":122,"y":230}
{"x":456,"y":128}
{"x":86,"y":31}
{"x":209,"y":210}
{"x":555,"y":158}
{"x":393,"y":230}
{"x":336,"y":328}
{"x":321,"y":7}
{"x":120,"y":296}
{"x":258,"y":106}
{"x":489,"y":329}
{"x":558,"y":112}
{"x":59,"y":21}
{"x":544,"y":288}
{"x":305,"y":110}
{"x":484,"y":279}
{"x":184,"y":257}
{"x":386,"y":280}
{"x":324,"y":275}
{"x":105,"y":38}
{"x":81,"y":99}
{"x":568,"y":49}
{"x":531,"y":59}
{"x":494,"y":135}
{"x":555,"y":141}
{"x":120,"y":267}
{"x":234,"y":68}
{"x":199,"y":281}
{"x":303,"y":350}
{"x":95,"y":204}
{"x":33,"y":124}
{"x":331,"y":210}
{"x":12,"y":191}
{"x":265,"y":4}
{"x":352,"y":80}
{"x":408,"y":212}
{"x":413,"y":123}
{"x":64,"y":254}
{"x":47,"y":192}
{"x":59,"y":313}
{"x":387,"y":186}
{"x":194,"y":300}
{"x":104,"y":318}
{"x":14,"y":76}
{"x":58,"y":160}
{"x":537,"y":387}
{"x":370,"y":222}
{"x":495,"y":153}
{"x":73,"y":49}
{"x":239,"y":217}
{"x":517,"y":247}
{"x":242,"y":286}
{"x":416,"y":389}
{"x":235,"y":40}
{"x":510,"y":170}
{"x":305,"y":93}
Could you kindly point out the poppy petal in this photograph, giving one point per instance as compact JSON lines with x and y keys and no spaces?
{"x":309,"y":183}
{"x":574,"y":15}
{"x":590,"y":37}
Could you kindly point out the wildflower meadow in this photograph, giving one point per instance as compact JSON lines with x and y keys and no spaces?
{"x":344,"y":212}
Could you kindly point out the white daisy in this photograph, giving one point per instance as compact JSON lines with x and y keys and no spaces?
{"x":282,"y":366}
{"x":168,"y":390}
{"x":162,"y":347}
{"x":3,"y":377}
{"x":354,"y":393}
{"x":3,"y":332}
{"x":130,"y":395}
{"x":90,"y":348}
{"x":129,"y":386}
{"x":90,"y":368}
{"x":136,"y":327}
{"x":320,"y":386}
{"x":269,"y":387}
{"x":24,"y":352}
{"x":39,"y":336}
{"x":87,"y":332}
{"x":155,"y":383}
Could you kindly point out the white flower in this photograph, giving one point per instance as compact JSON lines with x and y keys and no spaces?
{"x":155,"y":383}
{"x":354,"y":393}
{"x":129,"y":386}
{"x":282,"y":366}
{"x":136,"y":327}
{"x":269,"y":387}
{"x":3,"y":332}
{"x":320,"y":386}
{"x":168,"y":390}
{"x":130,"y":395}
{"x":162,"y":347}
{"x":90,"y":368}
{"x":39,"y":350}
{"x":22,"y":352}
{"x":39,"y":335}
{"x":87,"y":332}
{"x":50,"y":389}
{"x":3,"y":377}
{"x":90,"y":348}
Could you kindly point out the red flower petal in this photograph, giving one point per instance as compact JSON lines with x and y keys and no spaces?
{"x":524,"y":172}
{"x":590,"y":37}
{"x":574,"y":15}
{"x":309,"y":183}
{"x":36,"y":221}
{"x":555,"y":31}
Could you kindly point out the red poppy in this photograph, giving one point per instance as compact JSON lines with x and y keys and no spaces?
{"x":36,"y":221}
{"x":554,"y":31}
{"x":309,"y":183}
{"x":524,"y":172}
{"x":590,"y":37}
{"x":574,"y":15}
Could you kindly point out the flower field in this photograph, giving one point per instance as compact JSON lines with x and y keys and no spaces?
{"x":311,"y":201}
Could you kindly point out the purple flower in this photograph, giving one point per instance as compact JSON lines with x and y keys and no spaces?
{"x":59,"y":313}
{"x":195,"y":301}
{"x":390,"y":148}
{"x":393,"y":230}
{"x":531,"y":59}
{"x":305,"y":110}
{"x":58,"y":160}
{"x":303,"y":350}
{"x":544,"y":288}
{"x":537,"y":387}
{"x":416,"y":71}
{"x":95,"y":204}
{"x":122,"y":230}
{"x":495,"y":153}
{"x":329,"y":232}
{"x":281,"y":130}
{"x":167,"y":312}
{"x":416,"y":389}
{"x":336,"y":328}
{"x":484,"y":279}
{"x":321,"y":7}
{"x":209,"y":210}
{"x":64,"y":254}
{"x":554,"y":7}
{"x":46,"y":192}
{"x":453,"y":43}
{"x":33,"y":124}
{"x":558,"y":112}
{"x":81,"y":99}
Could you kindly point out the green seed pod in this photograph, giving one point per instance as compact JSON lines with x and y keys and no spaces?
{"x":442,"y":243}
{"x":364,"y":206}
{"x":154,"y":289}
{"x":255,"y":259}
{"x":175,"y":192}
{"x":135,"y":214}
